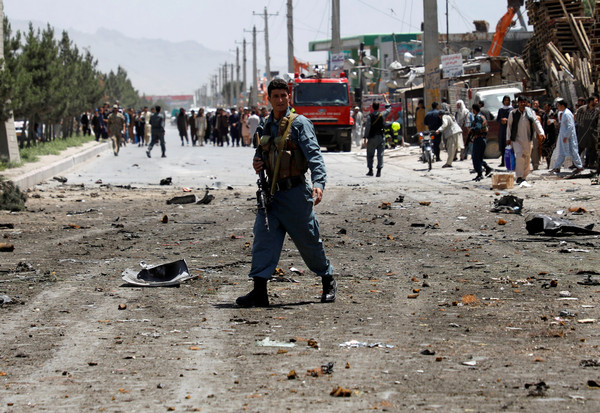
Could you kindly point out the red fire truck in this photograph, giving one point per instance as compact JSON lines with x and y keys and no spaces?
{"x":326,"y":102}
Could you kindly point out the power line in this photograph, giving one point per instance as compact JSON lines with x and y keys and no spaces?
{"x":370,"y":5}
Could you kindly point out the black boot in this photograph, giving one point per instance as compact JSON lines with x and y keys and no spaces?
{"x":329,"y":289}
{"x":488,"y":170}
{"x":378,"y":172}
{"x":258,"y":297}
{"x":370,"y":173}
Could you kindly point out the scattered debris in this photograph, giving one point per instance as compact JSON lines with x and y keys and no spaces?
{"x":6,"y":247}
{"x":589,"y":363}
{"x":509,"y":204}
{"x":428,"y":352}
{"x":327,"y":368}
{"x":292,"y":375}
{"x":340,"y":392}
{"x":166,"y":181}
{"x":5,"y":299}
{"x":578,"y":210}
{"x":122,"y":306}
{"x":60,"y":179}
{"x":185,"y":199}
{"x":501,"y":221}
{"x":296,"y":271}
{"x":313,"y":343}
{"x":470,"y":363}
{"x":357,"y":344}
{"x":425,"y":203}
{"x":537,"y":389}
{"x":164,"y":275}
{"x":385,"y":205}
{"x":587,"y":321}
{"x":165,"y":219}
{"x":206,"y":199}
{"x":267,"y":342}
{"x":593,"y":384}
{"x":399,"y":199}
{"x":555,"y":226}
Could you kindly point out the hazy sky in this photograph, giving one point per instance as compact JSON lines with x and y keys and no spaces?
{"x":220,"y":24}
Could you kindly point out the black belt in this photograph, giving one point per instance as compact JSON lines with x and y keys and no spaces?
{"x":288,"y":183}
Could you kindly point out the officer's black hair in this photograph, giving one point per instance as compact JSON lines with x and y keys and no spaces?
{"x":434,"y":105}
{"x":476,"y":107}
{"x":277,"y":84}
{"x":157,"y":108}
{"x":376,"y":105}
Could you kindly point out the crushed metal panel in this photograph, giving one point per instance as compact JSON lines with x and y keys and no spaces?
{"x":163,"y":275}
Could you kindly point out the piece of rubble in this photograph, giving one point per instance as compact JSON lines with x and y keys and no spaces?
{"x":164,"y":275}
{"x":185,"y":199}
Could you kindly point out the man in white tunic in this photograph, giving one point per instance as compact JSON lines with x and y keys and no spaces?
{"x":521,"y":129}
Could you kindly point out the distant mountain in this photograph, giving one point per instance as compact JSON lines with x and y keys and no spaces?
{"x":155,"y":67}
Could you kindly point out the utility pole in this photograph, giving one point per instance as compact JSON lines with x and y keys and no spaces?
{"x":244,"y":71}
{"x":336,"y":46}
{"x":431,"y":52}
{"x":267,"y":57}
{"x":243,"y":90}
{"x":231,"y":89}
{"x":9,"y":146}
{"x":253,"y":95}
{"x":447,"y":30}
{"x":237,"y":74}
{"x":290,"y":30}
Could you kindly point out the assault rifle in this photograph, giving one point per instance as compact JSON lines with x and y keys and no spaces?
{"x":263,"y":195}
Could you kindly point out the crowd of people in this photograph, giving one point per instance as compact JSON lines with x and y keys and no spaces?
{"x":230,"y":127}
{"x":552,"y":133}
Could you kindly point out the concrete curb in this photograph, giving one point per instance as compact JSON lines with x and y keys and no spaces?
{"x":60,"y":166}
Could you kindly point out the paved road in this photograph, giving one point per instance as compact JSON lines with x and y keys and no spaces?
{"x":198,"y":167}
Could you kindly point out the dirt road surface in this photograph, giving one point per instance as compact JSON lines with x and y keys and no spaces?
{"x":441,"y":307}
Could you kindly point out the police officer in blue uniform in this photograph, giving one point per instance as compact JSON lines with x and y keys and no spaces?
{"x":374,"y":136}
{"x":291,"y":138}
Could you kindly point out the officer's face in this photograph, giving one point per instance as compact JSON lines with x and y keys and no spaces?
{"x":279,"y":99}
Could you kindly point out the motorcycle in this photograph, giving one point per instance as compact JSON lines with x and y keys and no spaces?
{"x":426,"y":142}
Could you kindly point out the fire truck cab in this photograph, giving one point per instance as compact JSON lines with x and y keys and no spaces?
{"x":326,"y":102}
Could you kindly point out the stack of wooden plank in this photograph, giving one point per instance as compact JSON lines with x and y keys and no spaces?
{"x":560,"y":50}
{"x":595,"y":42}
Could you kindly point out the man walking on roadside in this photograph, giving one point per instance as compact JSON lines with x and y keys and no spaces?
{"x":586,"y":119}
{"x":290,"y":148}
{"x":566,"y":143}
{"x":157,"y":122}
{"x":522,"y":125}
{"x":116,"y":126}
{"x":373,"y":138}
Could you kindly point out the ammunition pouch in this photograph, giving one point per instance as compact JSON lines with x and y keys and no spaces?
{"x":293,"y":163}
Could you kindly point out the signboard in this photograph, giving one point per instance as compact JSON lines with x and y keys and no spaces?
{"x":336,"y":63}
{"x":432,"y":82}
{"x":452,"y":65}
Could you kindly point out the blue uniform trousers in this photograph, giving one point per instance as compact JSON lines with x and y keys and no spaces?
{"x":376,"y":143}
{"x":291,"y":212}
